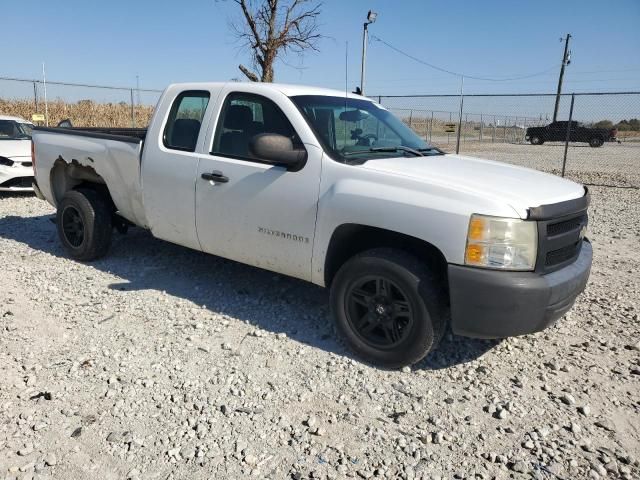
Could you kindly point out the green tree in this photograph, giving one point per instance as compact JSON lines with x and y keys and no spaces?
{"x":603,"y":124}
{"x":623,"y":126}
{"x":628,"y":125}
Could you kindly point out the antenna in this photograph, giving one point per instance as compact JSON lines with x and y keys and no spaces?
{"x":346,"y":70}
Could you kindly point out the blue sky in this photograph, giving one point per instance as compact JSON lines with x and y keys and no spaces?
{"x":110,"y":42}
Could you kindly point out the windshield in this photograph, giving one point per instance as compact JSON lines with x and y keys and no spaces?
{"x":356,"y":130}
{"x":12,"y":130}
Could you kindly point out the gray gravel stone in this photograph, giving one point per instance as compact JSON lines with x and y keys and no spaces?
{"x":131,"y":345}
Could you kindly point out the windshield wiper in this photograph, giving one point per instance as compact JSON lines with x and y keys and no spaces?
{"x":395,"y":149}
{"x":399,"y":148}
{"x":431,"y":149}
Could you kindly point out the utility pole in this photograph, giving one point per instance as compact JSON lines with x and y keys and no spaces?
{"x":566,"y":60}
{"x":46,"y":105}
{"x":371,"y":18}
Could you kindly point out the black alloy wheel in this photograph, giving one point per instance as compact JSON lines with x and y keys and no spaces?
{"x":389,"y":307}
{"x":84,"y":221}
{"x":73,"y":226}
{"x":379,"y":312}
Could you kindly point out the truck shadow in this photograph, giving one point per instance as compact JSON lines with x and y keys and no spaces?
{"x":267,"y":300}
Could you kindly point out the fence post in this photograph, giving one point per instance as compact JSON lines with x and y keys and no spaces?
{"x":411,"y":119}
{"x":380,"y":99}
{"x":493,"y":135}
{"x":448,"y":134}
{"x":133,"y":115}
{"x":431,"y":127}
{"x":35,"y":96}
{"x":566,"y":141}
{"x":460,"y":114}
{"x":466,"y":127}
{"x":481,"y":125}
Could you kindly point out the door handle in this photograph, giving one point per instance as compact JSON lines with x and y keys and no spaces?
{"x":216,"y":176}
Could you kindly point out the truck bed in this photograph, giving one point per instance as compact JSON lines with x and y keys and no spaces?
{"x":132,"y":135}
{"x":113,"y":154}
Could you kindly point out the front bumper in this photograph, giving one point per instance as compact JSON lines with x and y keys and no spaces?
{"x":497,"y":304}
{"x":16,"y":178}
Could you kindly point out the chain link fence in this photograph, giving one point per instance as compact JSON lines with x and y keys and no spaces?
{"x":85,"y":105}
{"x":596,"y":142}
{"x":495,"y":127}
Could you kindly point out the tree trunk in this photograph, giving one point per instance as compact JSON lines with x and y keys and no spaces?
{"x":267,"y":73}
{"x":267,"y":66}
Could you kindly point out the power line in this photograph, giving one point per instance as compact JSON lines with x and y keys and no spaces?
{"x":474,"y":77}
{"x":68,"y":84}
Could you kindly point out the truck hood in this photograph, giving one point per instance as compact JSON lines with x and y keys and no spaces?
{"x":519,"y":187}
{"x":15,"y":148}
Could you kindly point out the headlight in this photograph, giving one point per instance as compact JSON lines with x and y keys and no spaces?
{"x":503,"y":243}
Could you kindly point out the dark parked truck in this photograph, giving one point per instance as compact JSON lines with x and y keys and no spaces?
{"x":557,"y":132}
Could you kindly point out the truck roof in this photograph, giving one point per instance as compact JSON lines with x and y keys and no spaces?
{"x":15,"y":119}
{"x":287,"y":89}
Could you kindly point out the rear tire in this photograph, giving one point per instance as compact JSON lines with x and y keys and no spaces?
{"x":84,"y":223}
{"x":536,"y":140}
{"x":595,"y":142}
{"x":389,"y":307}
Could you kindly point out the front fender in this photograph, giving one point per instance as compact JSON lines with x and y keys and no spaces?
{"x":435,"y":214}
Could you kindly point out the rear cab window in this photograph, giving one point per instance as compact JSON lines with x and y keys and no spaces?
{"x":185,"y":119}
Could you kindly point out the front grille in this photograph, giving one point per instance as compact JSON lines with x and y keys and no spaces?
{"x":565,"y":226}
{"x":18,"y":182}
{"x":559,"y":241}
{"x":554,"y":257}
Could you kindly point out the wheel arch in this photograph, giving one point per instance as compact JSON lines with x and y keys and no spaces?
{"x":350,"y":239}
{"x":66,"y":176}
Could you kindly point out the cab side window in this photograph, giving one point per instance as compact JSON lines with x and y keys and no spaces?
{"x":242,"y":117}
{"x":185,"y":120}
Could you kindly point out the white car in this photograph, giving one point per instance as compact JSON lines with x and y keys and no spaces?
{"x":335,"y":190}
{"x":16,"y":172}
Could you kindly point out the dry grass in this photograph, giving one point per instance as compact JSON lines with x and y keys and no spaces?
{"x":84,"y":113}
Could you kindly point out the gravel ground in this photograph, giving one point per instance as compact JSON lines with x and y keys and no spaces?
{"x":613,"y":164}
{"x":158,"y":362}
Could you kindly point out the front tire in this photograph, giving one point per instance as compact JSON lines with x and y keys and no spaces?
{"x":84,"y":223}
{"x":389,"y":307}
{"x":536,"y":140}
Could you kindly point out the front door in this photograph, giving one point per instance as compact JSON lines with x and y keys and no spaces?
{"x":557,"y":132}
{"x":251,"y":211}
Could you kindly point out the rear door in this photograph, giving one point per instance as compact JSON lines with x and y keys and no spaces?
{"x":252,"y":211}
{"x":170,"y":165}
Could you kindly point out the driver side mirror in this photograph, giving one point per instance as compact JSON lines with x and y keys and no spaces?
{"x":278,"y":150}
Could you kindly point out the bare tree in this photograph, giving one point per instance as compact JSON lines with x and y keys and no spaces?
{"x":272,"y":28}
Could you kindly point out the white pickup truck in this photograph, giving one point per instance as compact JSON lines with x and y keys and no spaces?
{"x":333,"y":189}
